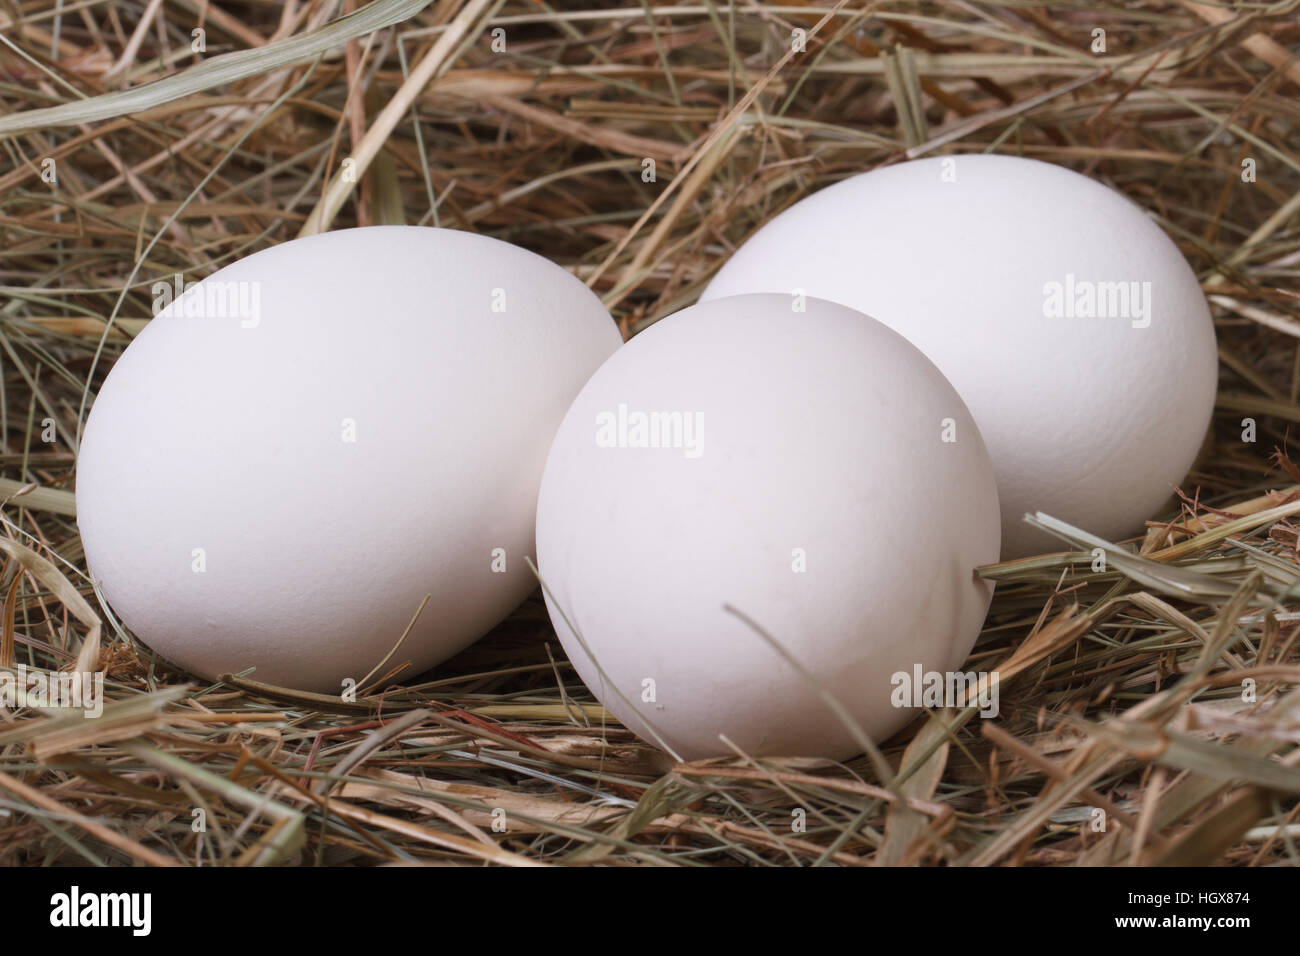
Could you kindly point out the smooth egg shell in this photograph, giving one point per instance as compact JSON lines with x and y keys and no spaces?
{"x":278,"y":481}
{"x":820,"y":501}
{"x":1091,"y":419}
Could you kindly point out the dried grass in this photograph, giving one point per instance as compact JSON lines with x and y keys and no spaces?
{"x":1120,"y":690}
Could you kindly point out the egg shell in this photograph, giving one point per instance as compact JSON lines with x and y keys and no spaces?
{"x":278,"y":480}
{"x":980,"y":261}
{"x":818,"y":498}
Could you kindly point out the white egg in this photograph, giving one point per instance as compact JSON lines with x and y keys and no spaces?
{"x":810,"y":470}
{"x":299,"y":449}
{"x":1067,"y":320}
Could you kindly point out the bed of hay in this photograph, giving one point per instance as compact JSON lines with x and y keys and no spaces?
{"x":1149,"y":712}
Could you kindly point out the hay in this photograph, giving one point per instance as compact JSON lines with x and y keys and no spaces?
{"x":1121,"y":690}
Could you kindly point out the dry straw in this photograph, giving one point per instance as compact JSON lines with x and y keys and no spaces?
{"x":1121,"y":688}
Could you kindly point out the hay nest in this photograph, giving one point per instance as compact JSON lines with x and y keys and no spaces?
{"x":1122,"y":691}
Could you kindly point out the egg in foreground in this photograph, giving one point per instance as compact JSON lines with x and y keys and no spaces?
{"x":299,"y":449}
{"x":743,"y":466}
